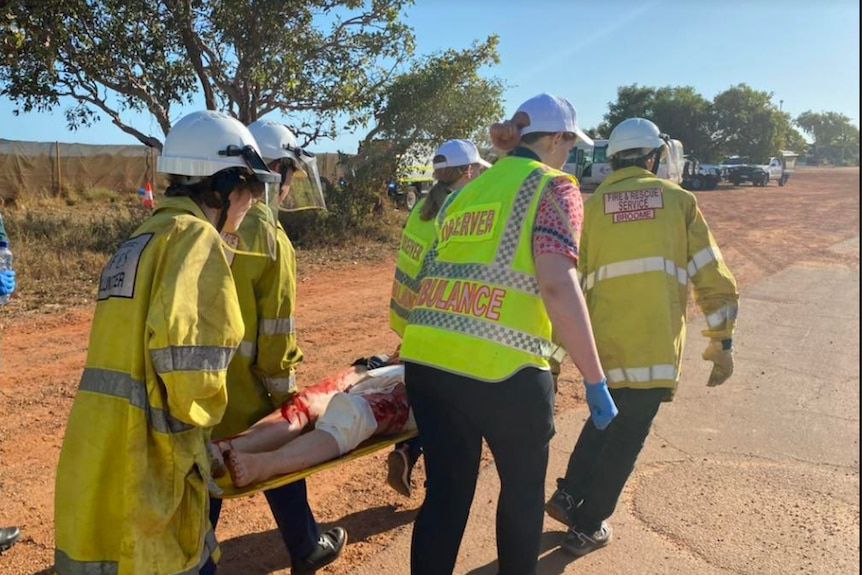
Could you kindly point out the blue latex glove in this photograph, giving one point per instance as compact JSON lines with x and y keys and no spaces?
{"x":7,"y":282}
{"x":602,"y":407}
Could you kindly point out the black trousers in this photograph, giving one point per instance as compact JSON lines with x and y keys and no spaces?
{"x":602,"y":461}
{"x":454,"y":414}
{"x":289,"y":506}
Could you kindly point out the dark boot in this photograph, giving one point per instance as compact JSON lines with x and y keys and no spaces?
{"x":328,"y":549}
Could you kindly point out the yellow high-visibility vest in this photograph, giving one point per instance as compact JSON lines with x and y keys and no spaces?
{"x":416,"y":238}
{"x":478,"y":311}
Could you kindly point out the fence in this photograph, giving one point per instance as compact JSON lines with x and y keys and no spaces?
{"x":52,"y":168}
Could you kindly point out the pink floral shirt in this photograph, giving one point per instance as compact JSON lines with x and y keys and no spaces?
{"x":559,"y":219}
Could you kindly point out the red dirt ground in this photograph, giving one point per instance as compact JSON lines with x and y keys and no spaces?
{"x":343,"y":315}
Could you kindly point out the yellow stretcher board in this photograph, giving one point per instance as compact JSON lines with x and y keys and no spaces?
{"x":368,"y":446}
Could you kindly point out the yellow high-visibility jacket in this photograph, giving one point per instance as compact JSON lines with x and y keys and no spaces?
{"x":644,"y":241}
{"x":261,"y":375}
{"x":131,"y":493}
{"x":416,"y":238}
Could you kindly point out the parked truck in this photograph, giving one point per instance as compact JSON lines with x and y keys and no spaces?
{"x":777,"y":169}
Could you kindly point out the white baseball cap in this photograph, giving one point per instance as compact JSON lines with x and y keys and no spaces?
{"x":458,"y":153}
{"x":549,"y":113}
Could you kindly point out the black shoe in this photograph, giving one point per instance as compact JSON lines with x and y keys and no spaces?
{"x":328,"y":549}
{"x":8,"y":537}
{"x":579,"y":542}
{"x":561,"y":506}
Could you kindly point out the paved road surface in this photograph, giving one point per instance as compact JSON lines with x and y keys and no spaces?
{"x":759,"y":476}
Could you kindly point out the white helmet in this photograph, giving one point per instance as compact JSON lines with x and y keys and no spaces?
{"x":276,"y":141}
{"x":206,"y":142}
{"x":635,"y":136}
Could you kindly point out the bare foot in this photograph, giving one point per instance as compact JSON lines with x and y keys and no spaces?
{"x":217,"y":465}
{"x":244,"y":468}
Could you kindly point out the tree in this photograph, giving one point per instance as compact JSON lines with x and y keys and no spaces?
{"x":441,"y":97}
{"x":311,"y":59}
{"x":678,"y":111}
{"x":836,"y":140}
{"x":748,"y":123}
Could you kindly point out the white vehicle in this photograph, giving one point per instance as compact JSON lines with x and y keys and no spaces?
{"x":591,"y":165}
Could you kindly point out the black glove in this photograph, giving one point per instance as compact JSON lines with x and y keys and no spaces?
{"x":372,"y":362}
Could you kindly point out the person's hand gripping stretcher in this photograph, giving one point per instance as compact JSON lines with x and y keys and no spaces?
{"x":345,"y":409}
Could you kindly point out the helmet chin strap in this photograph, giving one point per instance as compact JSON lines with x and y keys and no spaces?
{"x":222,"y":217}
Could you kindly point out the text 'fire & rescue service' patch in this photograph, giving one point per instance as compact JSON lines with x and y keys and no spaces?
{"x":633,"y":206}
{"x":118,"y":276}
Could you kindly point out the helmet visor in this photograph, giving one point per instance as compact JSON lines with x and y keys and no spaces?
{"x":306,"y":191}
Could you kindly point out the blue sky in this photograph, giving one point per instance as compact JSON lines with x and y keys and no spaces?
{"x":805,"y":52}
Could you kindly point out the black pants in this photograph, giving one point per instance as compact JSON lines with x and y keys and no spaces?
{"x":289,"y":506}
{"x":454,"y":414}
{"x":602,"y":461}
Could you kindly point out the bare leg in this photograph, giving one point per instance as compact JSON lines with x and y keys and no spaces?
{"x":268,"y":434}
{"x":305,"y":451}
{"x":286,"y":423}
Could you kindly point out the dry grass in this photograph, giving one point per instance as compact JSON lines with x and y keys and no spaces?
{"x":60,"y":245}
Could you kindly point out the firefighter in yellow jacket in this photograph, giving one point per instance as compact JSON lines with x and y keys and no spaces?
{"x":131,"y":493}
{"x":644,"y":241}
{"x":501,"y":269}
{"x":262,"y":374}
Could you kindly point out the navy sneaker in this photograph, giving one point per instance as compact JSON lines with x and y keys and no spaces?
{"x":328,"y":549}
{"x":561,"y":506}
{"x":399,"y":471}
{"x":579,"y":542}
{"x":8,"y":537}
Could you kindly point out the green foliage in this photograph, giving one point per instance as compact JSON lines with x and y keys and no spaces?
{"x":739,"y":120}
{"x":313,"y":59}
{"x":836,"y":140}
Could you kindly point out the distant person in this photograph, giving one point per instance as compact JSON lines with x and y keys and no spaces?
{"x":644,"y":241}
{"x":476,"y":346}
{"x":132,"y":484}
{"x":455,"y":163}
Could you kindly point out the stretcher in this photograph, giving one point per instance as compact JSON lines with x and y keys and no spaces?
{"x":370,"y":445}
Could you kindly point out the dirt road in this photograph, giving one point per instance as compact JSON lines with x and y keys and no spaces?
{"x":343,"y":315}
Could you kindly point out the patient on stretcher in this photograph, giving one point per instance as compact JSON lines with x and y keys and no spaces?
{"x":345,"y":410}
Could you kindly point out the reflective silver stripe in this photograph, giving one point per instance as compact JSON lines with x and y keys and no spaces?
{"x":247,"y":348}
{"x":280,"y":383}
{"x":495,"y":273}
{"x":404,"y":279}
{"x":515,"y":223}
{"x":399,"y":310}
{"x":631,"y":267}
{"x":642,"y":374}
{"x":191,"y":358}
{"x":118,"y":384}
{"x":721,"y":315}
{"x":65,"y":565}
{"x":701,"y":258}
{"x":483,"y":329}
{"x":210,"y":546}
{"x":279,"y":326}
